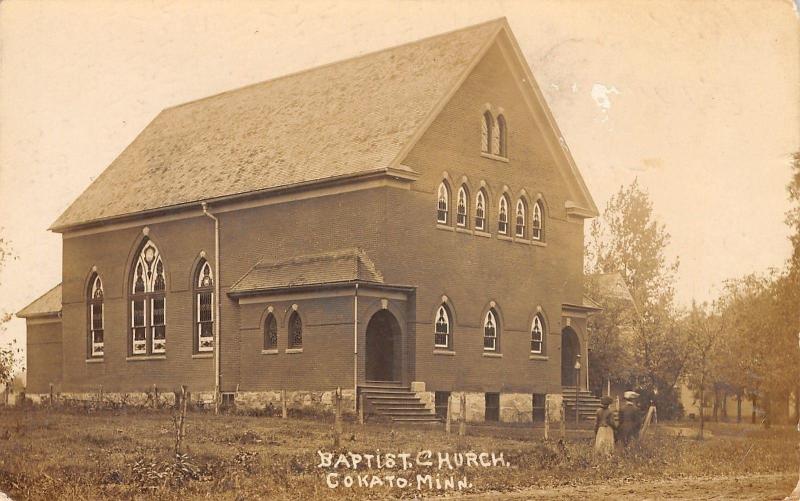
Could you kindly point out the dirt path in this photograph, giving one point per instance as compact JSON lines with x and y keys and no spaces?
{"x":756,"y":487}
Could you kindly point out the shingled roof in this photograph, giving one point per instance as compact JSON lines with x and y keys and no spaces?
{"x":338,"y":120}
{"x":48,"y":303}
{"x":335,"y":267}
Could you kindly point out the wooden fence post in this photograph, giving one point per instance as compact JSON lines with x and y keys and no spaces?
{"x":563,"y":422}
{"x":448,"y":415}
{"x":462,"y":425}
{"x":547,"y":419}
{"x":361,"y":402}
{"x":51,"y":395}
{"x":337,"y":419}
{"x":284,"y":412}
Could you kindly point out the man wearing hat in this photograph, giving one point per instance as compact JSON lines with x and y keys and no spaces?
{"x":629,"y":418}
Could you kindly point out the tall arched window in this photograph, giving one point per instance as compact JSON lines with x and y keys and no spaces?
{"x":270,"y":332}
{"x":204,"y":302}
{"x":520,"y":219}
{"x":537,"y":334}
{"x":537,"y":227}
{"x":295,"y":331}
{"x":501,"y":136}
{"x":480,"y":211}
{"x":487,"y":127}
{"x":490,"y":331}
{"x":148,"y":302}
{"x":96,"y":317}
{"x":462,"y":208}
{"x":502,"y":216}
{"x":441,"y":338}
{"x":442,"y":203}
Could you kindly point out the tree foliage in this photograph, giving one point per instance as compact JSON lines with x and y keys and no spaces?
{"x":9,"y":354}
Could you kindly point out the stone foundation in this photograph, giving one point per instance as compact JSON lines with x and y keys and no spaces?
{"x":516,"y":407}
{"x":304,"y":400}
{"x":554,"y":407}
{"x":426,"y":397}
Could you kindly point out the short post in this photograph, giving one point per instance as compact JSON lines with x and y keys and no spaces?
{"x":462,"y":424}
{"x":155,"y":396}
{"x":337,"y":419}
{"x":284,"y":412}
{"x":563,"y":420}
{"x":100,"y":394}
{"x":51,"y":394}
{"x":181,"y":429}
{"x":577,"y":387}
{"x":447,"y":415}
{"x":547,"y":419}
{"x":216,"y":399}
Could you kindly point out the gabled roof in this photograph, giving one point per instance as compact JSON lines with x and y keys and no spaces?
{"x":47,"y":304}
{"x":356,"y":117}
{"x":335,"y":267}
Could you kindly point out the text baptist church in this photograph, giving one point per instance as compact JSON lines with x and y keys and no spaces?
{"x":405,"y":224}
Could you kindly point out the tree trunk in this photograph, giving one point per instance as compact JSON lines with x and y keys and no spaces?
{"x":753,"y":401}
{"x":702,"y":413}
{"x":724,"y":407}
{"x":738,"y":408}
{"x":715,"y":410}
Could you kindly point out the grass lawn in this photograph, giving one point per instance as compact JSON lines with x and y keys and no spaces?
{"x":66,"y":454}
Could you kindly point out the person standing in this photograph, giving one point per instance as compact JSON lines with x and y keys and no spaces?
{"x":604,"y":429}
{"x":629,"y":418}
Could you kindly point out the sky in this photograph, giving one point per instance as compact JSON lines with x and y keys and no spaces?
{"x":698,"y":100}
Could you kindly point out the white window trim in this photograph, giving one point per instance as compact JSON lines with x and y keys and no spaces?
{"x":92,"y":330}
{"x":200,"y":346}
{"x":446,"y":210}
{"x":537,"y":320}
{"x":537,"y":210}
{"x":459,"y":214}
{"x":153,"y":348}
{"x":480,"y":198}
{"x":441,"y":309}
{"x":520,"y":204}
{"x":493,"y":338}
{"x":134,"y":327}
{"x":503,"y":203}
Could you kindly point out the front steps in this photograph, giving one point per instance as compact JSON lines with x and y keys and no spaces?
{"x":587,"y":403}
{"x":397,"y":402}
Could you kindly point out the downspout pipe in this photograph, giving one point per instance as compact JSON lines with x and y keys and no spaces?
{"x":355,"y":350}
{"x":216,"y":308}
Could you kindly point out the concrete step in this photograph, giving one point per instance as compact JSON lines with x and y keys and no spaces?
{"x":431,"y":419}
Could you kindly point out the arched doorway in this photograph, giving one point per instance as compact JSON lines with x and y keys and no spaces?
{"x":383,"y":347}
{"x":570,"y":348}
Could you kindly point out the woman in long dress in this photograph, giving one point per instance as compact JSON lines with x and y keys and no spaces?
{"x":604,"y":428}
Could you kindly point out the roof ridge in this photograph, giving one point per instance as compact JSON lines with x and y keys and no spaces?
{"x":337,"y":62}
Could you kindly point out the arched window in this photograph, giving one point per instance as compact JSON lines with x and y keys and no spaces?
{"x":96,"y":317}
{"x":502,"y":216}
{"x":441,"y":338}
{"x":490,"y":331}
{"x":520,"y":220}
{"x":501,"y":136}
{"x":442,"y":204}
{"x":487,"y":128}
{"x":480,"y":211}
{"x":537,"y":227}
{"x":295,"y":331}
{"x":537,"y":334}
{"x":270,"y":333}
{"x":204,"y":301}
{"x":148,"y":302}
{"x":462,"y":209}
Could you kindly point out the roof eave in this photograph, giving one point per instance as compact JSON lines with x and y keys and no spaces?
{"x":322,"y":285}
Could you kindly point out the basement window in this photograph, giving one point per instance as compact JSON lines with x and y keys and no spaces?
{"x":492,"y":406}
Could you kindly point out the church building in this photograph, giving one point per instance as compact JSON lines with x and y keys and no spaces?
{"x":405,"y":225}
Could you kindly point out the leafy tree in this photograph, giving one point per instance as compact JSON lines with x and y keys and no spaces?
{"x":8,"y":354}
{"x":704,"y":334}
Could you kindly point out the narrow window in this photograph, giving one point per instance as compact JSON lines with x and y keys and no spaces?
{"x":270,"y":332}
{"x":295,"y":331}
{"x":502,"y":216}
{"x":537,"y":335}
{"x":204,"y":320}
{"x":487,"y":126}
{"x":538,"y":407}
{"x":96,"y":317}
{"x":490,"y":331}
{"x":520,"y":226}
{"x":148,"y":302}
{"x":480,"y":211}
{"x":441,"y":338}
{"x":492,"y":406}
{"x":462,"y":207}
{"x":442,"y":204}
{"x":537,"y":227}
{"x":501,"y":136}
{"x":440,"y":403}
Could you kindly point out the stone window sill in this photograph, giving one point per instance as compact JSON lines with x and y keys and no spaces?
{"x":203,"y":355}
{"x":538,"y":357}
{"x":482,"y":234}
{"x":269,"y":352}
{"x":494,"y":157}
{"x":504,"y":237}
{"x":538,"y":243}
{"x":522,"y":240}
{"x":98,"y":360}
{"x":443,"y":351}
{"x":440,"y":226}
{"x":490,"y":354}
{"x":141,"y":358}
{"x":293,"y":350}
{"x":464,"y":230}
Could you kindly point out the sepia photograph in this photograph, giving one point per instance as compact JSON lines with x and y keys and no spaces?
{"x":400,"y":249}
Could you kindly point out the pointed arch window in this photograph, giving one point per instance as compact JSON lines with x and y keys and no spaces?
{"x":148,"y":302}
{"x":462,"y":208}
{"x":501,"y":137}
{"x":295,"y":331}
{"x":480,"y":211}
{"x":204,"y":304}
{"x":537,"y":225}
{"x":537,"y":334}
{"x":490,"y":331}
{"x":502,"y":216}
{"x":441,"y":337}
{"x":270,"y":332}
{"x":96,"y":316}
{"x":520,"y":219}
{"x":442,"y":204}
{"x":487,"y":128}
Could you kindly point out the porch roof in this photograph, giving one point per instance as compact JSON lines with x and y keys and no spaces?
{"x":47,"y":304}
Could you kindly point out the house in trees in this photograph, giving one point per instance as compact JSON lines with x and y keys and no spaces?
{"x":407,"y":225}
